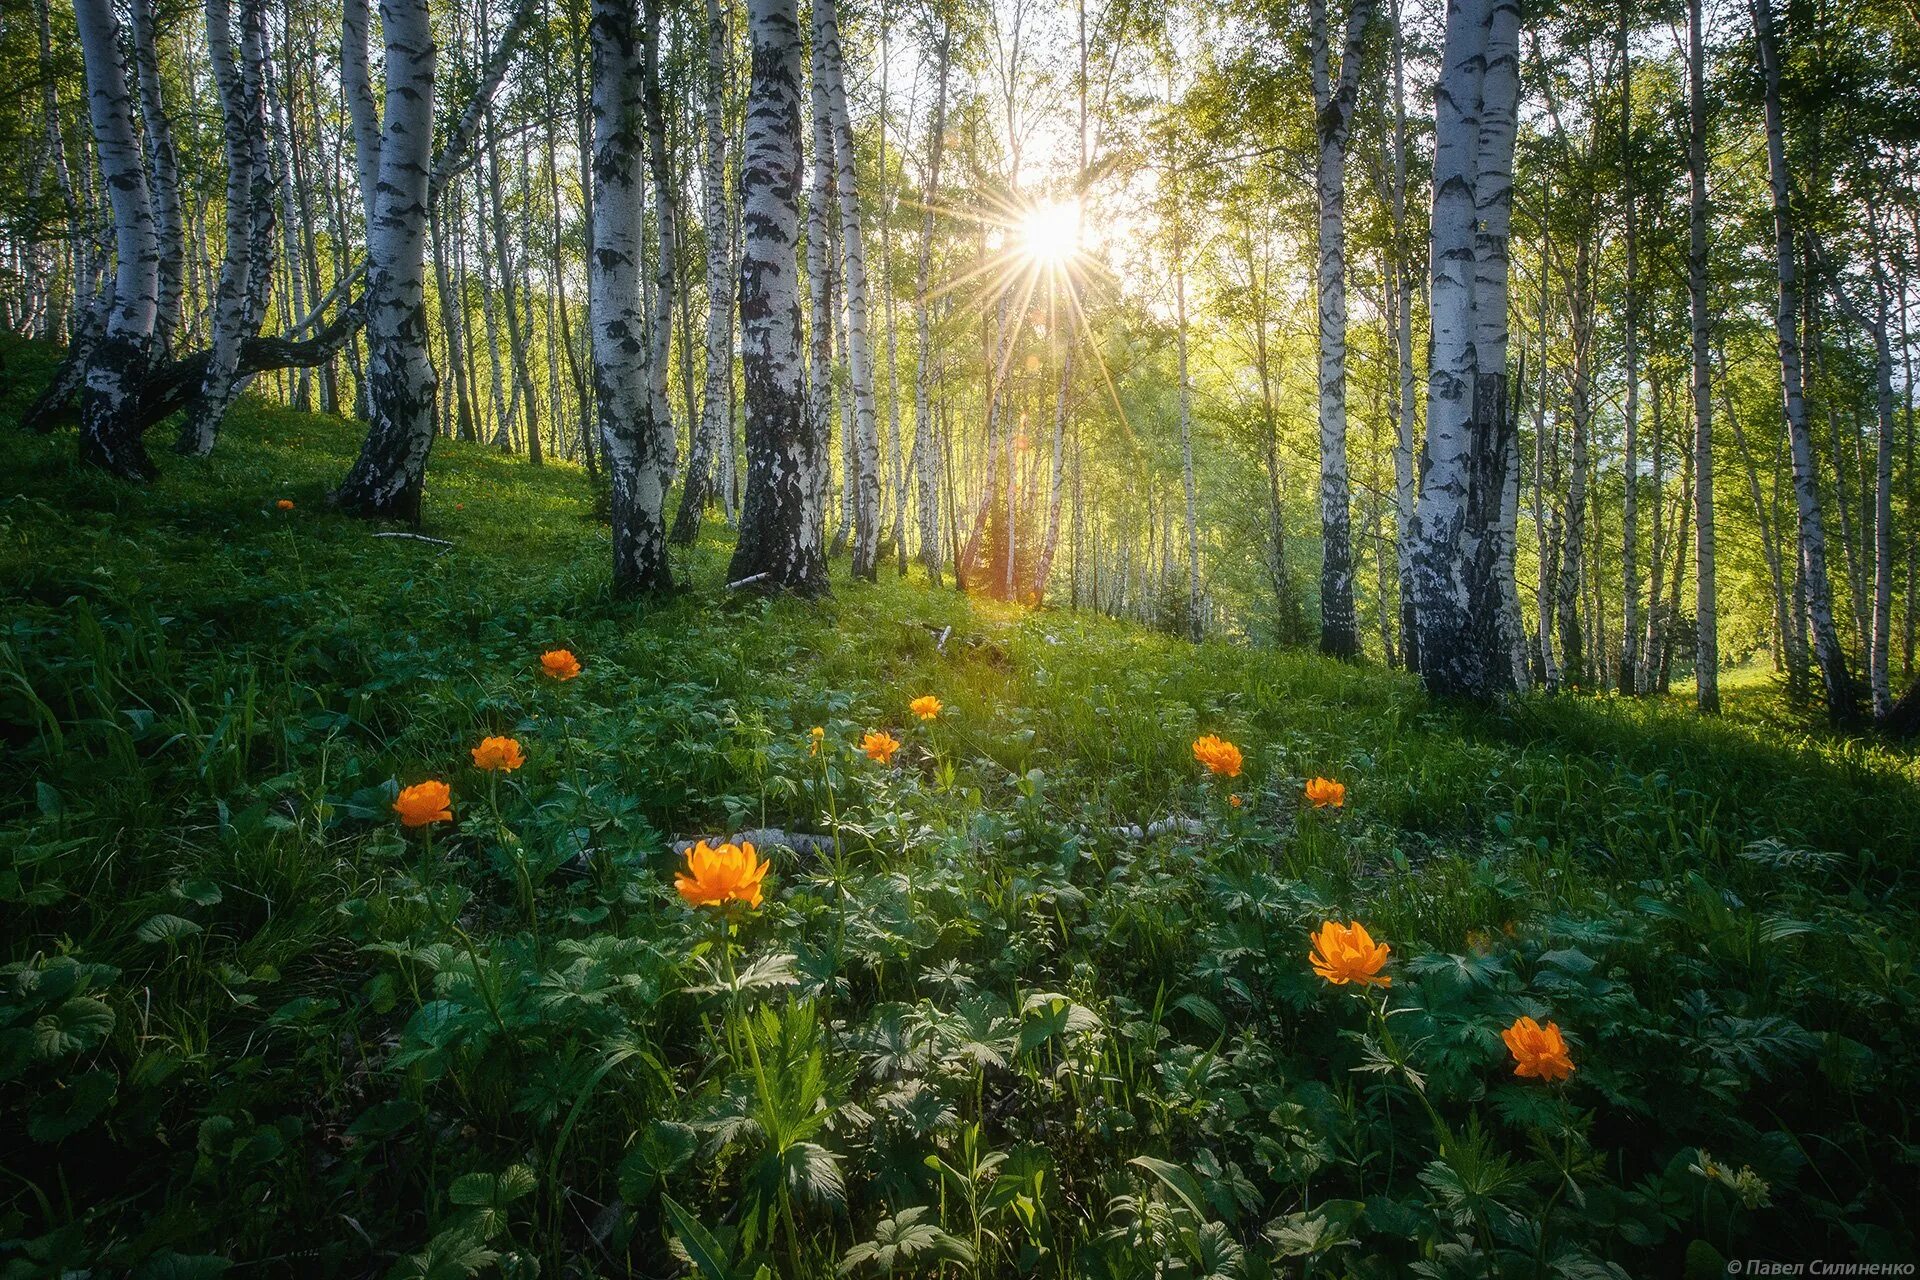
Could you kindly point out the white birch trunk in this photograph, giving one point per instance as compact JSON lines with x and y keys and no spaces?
{"x":1333,"y":111}
{"x":109,"y":438}
{"x":622,"y":359}
{"x":1630,"y":502}
{"x":926,"y":457}
{"x":387,"y":478}
{"x":780,"y":520}
{"x":866,"y":446}
{"x":1458,"y":634}
{"x":1706,"y":614}
{"x":164,"y":175}
{"x":717,"y":390}
{"x":1834,"y":674}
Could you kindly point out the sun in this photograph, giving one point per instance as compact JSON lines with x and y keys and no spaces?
{"x":1050,"y":233}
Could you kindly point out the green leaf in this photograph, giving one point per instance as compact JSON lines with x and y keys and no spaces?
{"x":47,"y":799}
{"x":384,"y":1119}
{"x":1177,"y":1180}
{"x":699,"y":1243}
{"x":75,"y":1026}
{"x":167,"y":928}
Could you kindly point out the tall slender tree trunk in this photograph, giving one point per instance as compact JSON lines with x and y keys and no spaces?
{"x":1400,"y":295}
{"x":109,"y":435}
{"x":866,"y":447}
{"x":820,"y":309}
{"x":780,"y":523}
{"x":1194,"y":621}
{"x":638,"y":462}
{"x":1496,"y":441}
{"x":387,"y":478}
{"x":926,"y":458}
{"x":1630,"y":501}
{"x":1457,"y":572}
{"x":1842,"y":704}
{"x":1706,"y":613}
{"x":717,"y":391}
{"x":234,"y":318}
{"x":1333,"y":113}
{"x":164,"y":176}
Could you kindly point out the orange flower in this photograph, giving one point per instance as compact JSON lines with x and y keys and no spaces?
{"x":1347,"y":953}
{"x":731,"y":873}
{"x":1234,"y":800}
{"x":880,"y":746}
{"x":1325,"y":793}
{"x":285,"y":504}
{"x":424,"y":802}
{"x":560,"y":664}
{"x":502,"y":754}
{"x":926,"y":707}
{"x":1537,"y":1050}
{"x":1220,"y":756}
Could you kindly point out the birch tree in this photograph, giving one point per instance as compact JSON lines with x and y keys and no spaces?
{"x":780,"y":519}
{"x":926,"y":458}
{"x":109,"y":436}
{"x":853,"y":256}
{"x":163,"y":173}
{"x":1333,"y":114}
{"x":387,"y":478}
{"x":1706,"y":615}
{"x":716,"y":402}
{"x":1456,"y":574}
{"x":623,"y":364}
{"x":1842,"y":700}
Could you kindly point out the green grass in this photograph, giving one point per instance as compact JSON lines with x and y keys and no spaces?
{"x":247,"y":1019}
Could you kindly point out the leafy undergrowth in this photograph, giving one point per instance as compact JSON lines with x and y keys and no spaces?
{"x":247,"y":1018}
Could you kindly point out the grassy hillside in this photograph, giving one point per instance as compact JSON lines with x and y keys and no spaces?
{"x":248,"y":1018}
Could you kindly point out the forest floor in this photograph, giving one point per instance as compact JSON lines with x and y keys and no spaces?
{"x":248,"y":1018}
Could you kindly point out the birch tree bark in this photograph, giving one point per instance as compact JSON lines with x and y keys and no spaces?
{"x":622,"y":360}
{"x":820,"y":307}
{"x":1403,"y":407}
{"x":246,"y":266}
{"x":780,"y":519}
{"x":1706,"y":614}
{"x":164,"y":174}
{"x":1630,"y":501}
{"x":1842,"y":700}
{"x":926,"y":458}
{"x":1456,"y":570}
{"x":717,"y":391}
{"x":866,"y":448}
{"x":387,"y":478}
{"x":117,"y":361}
{"x":1333,"y":113}
{"x":1495,"y":438}
{"x":1879,"y":637}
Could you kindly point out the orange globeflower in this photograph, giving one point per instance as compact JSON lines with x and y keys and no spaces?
{"x":1235,"y":801}
{"x":1347,"y":953}
{"x":560,"y":664}
{"x":731,"y":873}
{"x":1537,"y":1050}
{"x":880,"y":746}
{"x":1220,"y":756}
{"x":502,"y":754}
{"x":926,"y":707}
{"x":285,"y":504}
{"x":818,"y":736}
{"x":424,"y":802}
{"x":1325,"y":793}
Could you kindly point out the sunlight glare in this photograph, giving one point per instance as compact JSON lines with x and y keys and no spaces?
{"x":1050,"y":233}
